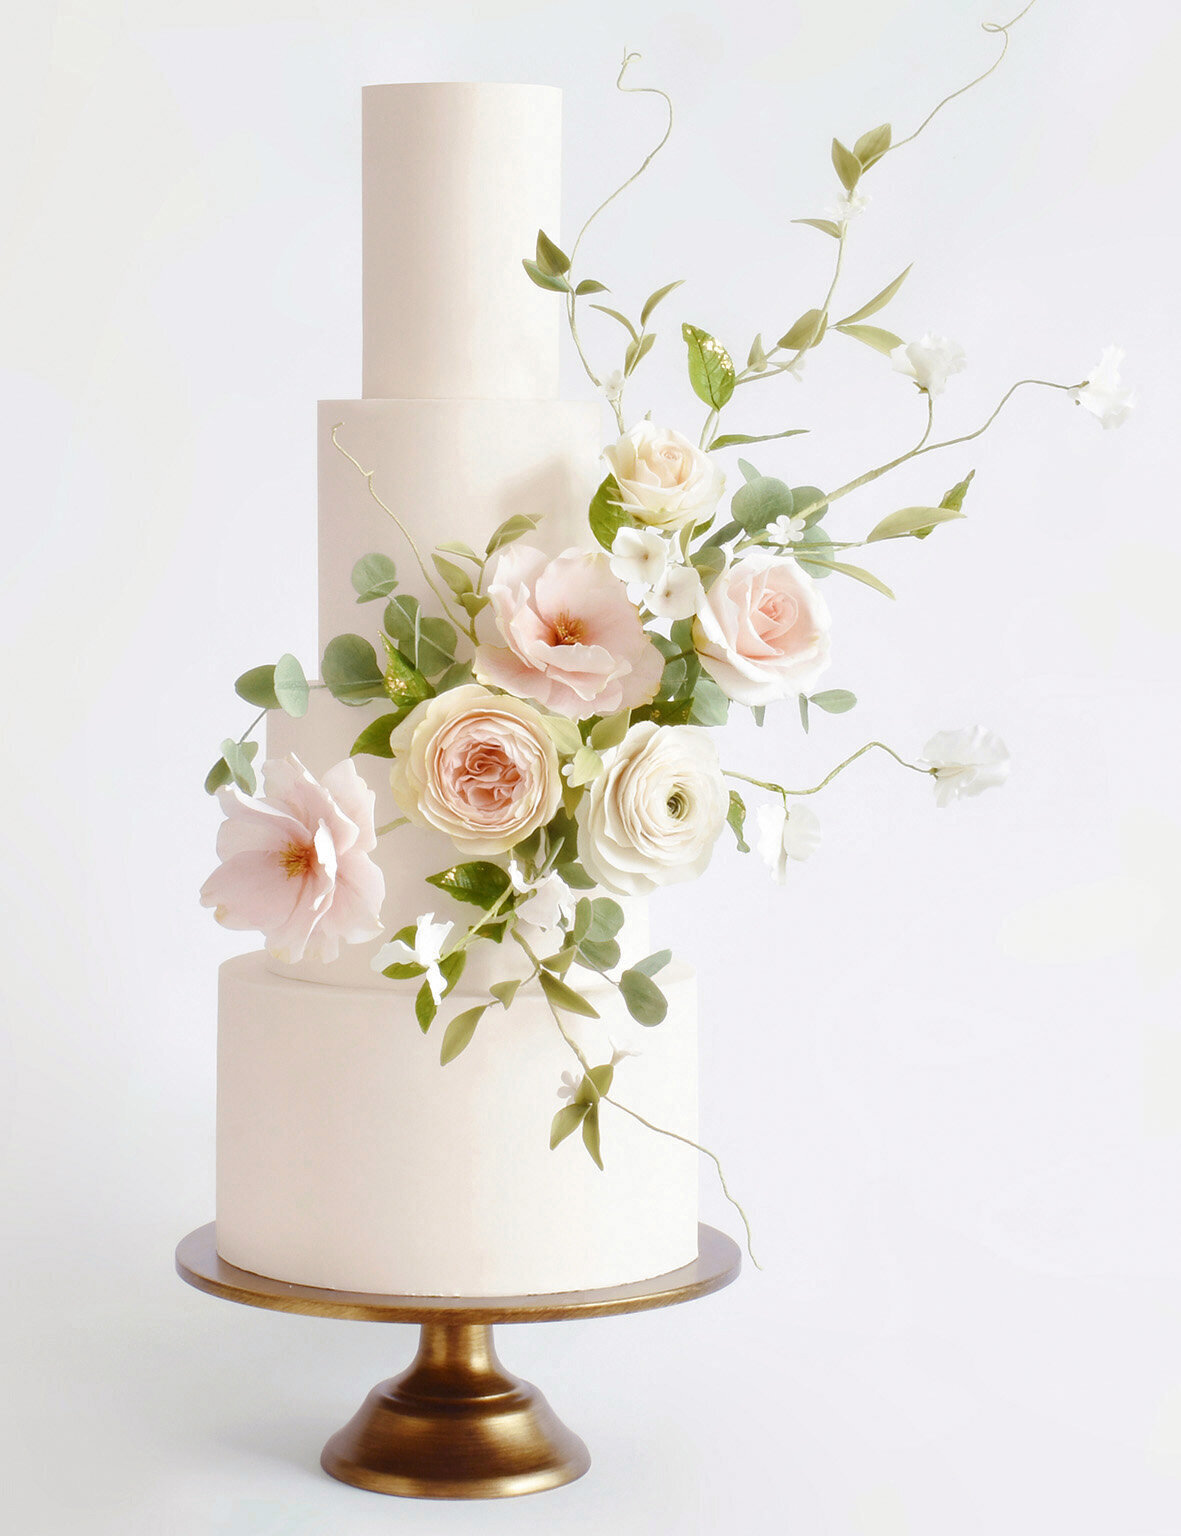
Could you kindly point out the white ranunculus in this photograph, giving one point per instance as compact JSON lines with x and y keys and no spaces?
{"x":664,"y":480}
{"x":930,"y":361}
{"x":677,"y":593}
{"x":966,"y":762}
{"x":1103,"y":395}
{"x":784,"y":835}
{"x":639,"y":557}
{"x":651,"y":818}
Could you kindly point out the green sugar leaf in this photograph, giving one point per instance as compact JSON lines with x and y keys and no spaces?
{"x":257,"y":687}
{"x":645,"y":1001}
{"x":565,"y":998}
{"x":458,"y":1035}
{"x":291,"y":687}
{"x":480,"y":883}
{"x":711,"y":371}
{"x":350,"y":670}
{"x":374,"y":576}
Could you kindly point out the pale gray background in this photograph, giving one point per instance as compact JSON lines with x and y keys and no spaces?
{"x":943,"y":1066}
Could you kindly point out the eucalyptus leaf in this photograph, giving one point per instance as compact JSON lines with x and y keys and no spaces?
{"x":879,"y":300}
{"x":454,"y":677}
{"x":623,"y":320}
{"x":759,"y":502}
{"x":725,"y":533}
{"x":809,"y":502}
{"x":374,"y":740}
{"x":606,"y":919}
{"x":758,"y":713}
{"x":374,"y":576}
{"x":566,"y":1122}
{"x":814,"y":551}
{"x":599,"y":955}
{"x":710,"y":704}
{"x":575,"y":876}
{"x":554,"y":282}
{"x":239,"y":757}
{"x":653,"y":963}
{"x":846,"y":164}
{"x":804,"y":712}
{"x":711,"y":372}
{"x":654,"y":299}
{"x":834,"y":701}
{"x":584,"y":914}
{"x":872,"y":336}
{"x":550,"y":257}
{"x":910,"y":520}
{"x":217,"y":777}
{"x":459,"y":1033}
{"x":291,"y":687}
{"x":736,"y":817}
{"x":748,"y":471}
{"x":257,"y":687}
{"x":709,"y":562}
{"x":350,"y":670}
{"x":427,"y":643}
{"x":478,"y":882}
{"x":565,"y":998}
{"x":605,"y":515}
{"x":645,"y":1001}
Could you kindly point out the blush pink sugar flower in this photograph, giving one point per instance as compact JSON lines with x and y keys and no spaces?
{"x":573,"y":641}
{"x":762,"y":629}
{"x":295,"y":862}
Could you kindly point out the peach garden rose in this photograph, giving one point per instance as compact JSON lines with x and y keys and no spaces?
{"x":479,"y":766}
{"x":762,"y":629}
{"x":573,"y":639}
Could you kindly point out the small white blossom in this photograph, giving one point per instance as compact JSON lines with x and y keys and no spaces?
{"x":966,"y":762}
{"x":612,"y":387}
{"x":639,"y":556}
{"x":551,"y":906}
{"x":784,"y":836}
{"x":930,"y":361}
{"x":786,"y":530}
{"x":617,"y":1054}
{"x":429,"y":939}
{"x":571,"y":1083}
{"x":676,"y":594}
{"x":1103,"y":395}
{"x":845,"y":206}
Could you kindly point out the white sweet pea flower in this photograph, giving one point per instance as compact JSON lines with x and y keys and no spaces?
{"x":551,"y":905}
{"x":930,"y":361}
{"x":429,"y":939}
{"x":966,"y":762}
{"x":844,"y":207}
{"x":676,"y":594}
{"x":786,"y":530}
{"x":1103,"y":394}
{"x":639,"y":557}
{"x":784,"y":835}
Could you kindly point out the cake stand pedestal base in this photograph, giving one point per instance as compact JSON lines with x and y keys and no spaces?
{"x":455,"y":1424}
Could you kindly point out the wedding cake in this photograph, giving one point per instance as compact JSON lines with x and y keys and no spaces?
{"x":347,"y":1157}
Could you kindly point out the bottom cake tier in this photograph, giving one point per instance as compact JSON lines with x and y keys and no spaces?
{"x":349,"y":1159}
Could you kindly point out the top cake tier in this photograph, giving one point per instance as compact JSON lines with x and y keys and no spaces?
{"x":456,"y":182}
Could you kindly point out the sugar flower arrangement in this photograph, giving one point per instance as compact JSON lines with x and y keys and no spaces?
{"x":555,"y":717}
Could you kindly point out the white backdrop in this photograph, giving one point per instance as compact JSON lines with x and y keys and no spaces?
{"x":943,"y":1066}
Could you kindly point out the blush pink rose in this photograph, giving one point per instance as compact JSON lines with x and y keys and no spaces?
{"x":295,"y":862}
{"x":478,"y":766}
{"x":573,"y":640}
{"x":762,"y":629}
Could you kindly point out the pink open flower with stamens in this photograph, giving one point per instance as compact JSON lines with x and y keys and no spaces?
{"x":573,"y":640}
{"x":295,"y":862}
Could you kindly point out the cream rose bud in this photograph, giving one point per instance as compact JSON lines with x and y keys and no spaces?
{"x":762,"y":629}
{"x":478,"y":766}
{"x":663,"y":479}
{"x":651,"y":818}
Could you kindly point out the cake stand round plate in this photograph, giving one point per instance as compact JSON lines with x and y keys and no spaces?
{"x":455,"y":1424}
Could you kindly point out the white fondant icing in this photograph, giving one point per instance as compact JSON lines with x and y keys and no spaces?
{"x":456,"y":182}
{"x":348,"y":1158}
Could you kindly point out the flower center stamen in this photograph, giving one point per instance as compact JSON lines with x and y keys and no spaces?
{"x":298,"y":860}
{"x":568,"y":630}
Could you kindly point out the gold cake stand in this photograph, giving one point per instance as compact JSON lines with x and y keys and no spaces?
{"x":455,"y":1424}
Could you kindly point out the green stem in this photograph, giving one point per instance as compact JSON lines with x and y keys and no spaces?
{"x":778,"y":789}
{"x":458,"y":618}
{"x":402,"y":821}
{"x":749,"y":375}
{"x":260,"y":716}
{"x":987,"y":26}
